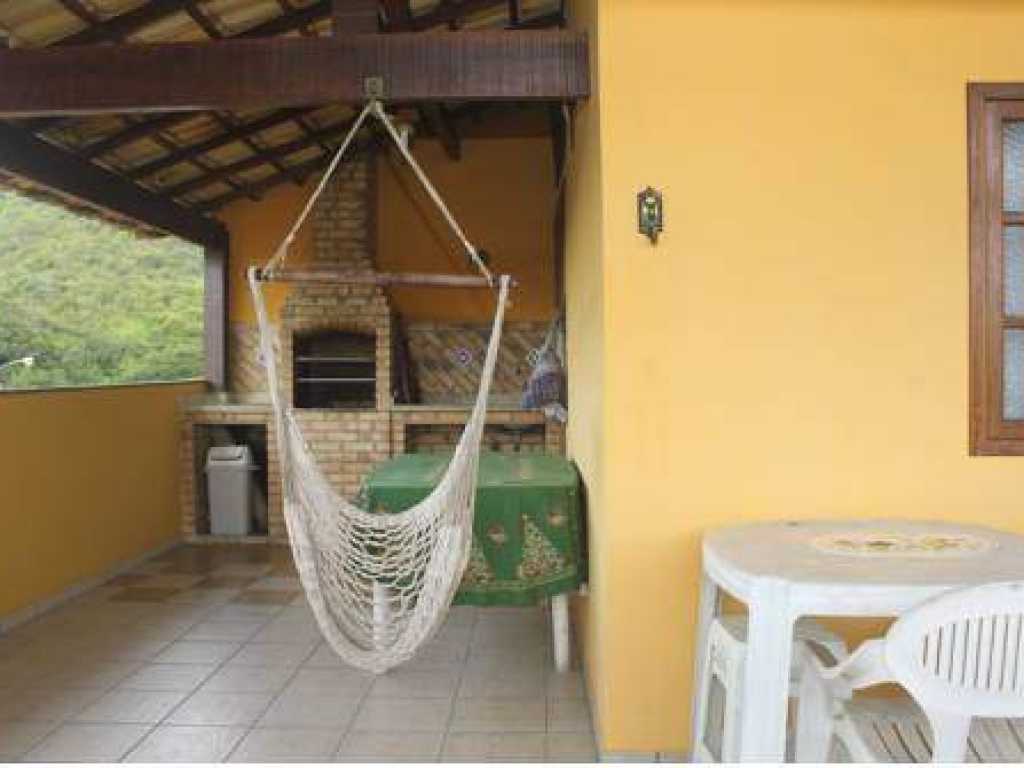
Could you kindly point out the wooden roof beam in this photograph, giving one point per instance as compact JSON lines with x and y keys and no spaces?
{"x":355,"y":17}
{"x":21,"y":154}
{"x":543,"y":65}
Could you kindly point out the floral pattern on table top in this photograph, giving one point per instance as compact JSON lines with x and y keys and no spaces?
{"x":883,"y":543}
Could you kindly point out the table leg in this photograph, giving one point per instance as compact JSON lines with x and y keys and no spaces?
{"x":560,"y":630}
{"x":707,"y":609}
{"x":765,"y":695}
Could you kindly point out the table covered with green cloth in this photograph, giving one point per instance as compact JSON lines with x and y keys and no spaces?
{"x":527,"y":542}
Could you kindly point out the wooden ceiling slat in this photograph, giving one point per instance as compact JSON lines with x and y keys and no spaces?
{"x":228,"y":137}
{"x":288,"y":22}
{"x":227,"y":124}
{"x":136,"y":132}
{"x":125,"y":24}
{"x":262,"y":186}
{"x":249,"y":163}
{"x":205,"y":167}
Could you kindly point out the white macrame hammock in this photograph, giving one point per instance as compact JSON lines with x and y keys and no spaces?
{"x":380,"y":585}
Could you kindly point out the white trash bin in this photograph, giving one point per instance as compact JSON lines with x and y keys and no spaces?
{"x":229,"y":471}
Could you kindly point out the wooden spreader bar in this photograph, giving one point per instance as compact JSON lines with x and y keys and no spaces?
{"x":334,"y":276}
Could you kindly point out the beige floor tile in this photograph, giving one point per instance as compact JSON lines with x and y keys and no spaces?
{"x":52,"y":705}
{"x":18,"y":738}
{"x":81,"y":742}
{"x":565,"y":685}
{"x":168,"y":677}
{"x":499,"y":715}
{"x":238,"y":631}
{"x":462,"y":616}
{"x":390,"y":746}
{"x":187,"y":744}
{"x":90,"y":674}
{"x":143,"y":594}
{"x":503,"y":683}
{"x":172,"y":580}
{"x":310,"y":709}
{"x":571,"y":715}
{"x":128,"y":649}
{"x":245,"y":679}
{"x":209,"y":708}
{"x":198,"y":652}
{"x":403,"y":715}
{"x":324,"y":656}
{"x":273,"y":654}
{"x":125,"y":706}
{"x":279,"y":583}
{"x":426,"y":684}
{"x":205,"y":599}
{"x":347,"y":682}
{"x":254,"y":570}
{"x":241,"y":612}
{"x":284,"y":630}
{"x":265,"y":596}
{"x":438,"y":654}
{"x":287,"y":745}
{"x":571,"y":747}
{"x":493,"y":746}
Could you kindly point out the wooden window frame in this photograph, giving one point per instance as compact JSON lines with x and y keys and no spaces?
{"x":988,"y":106}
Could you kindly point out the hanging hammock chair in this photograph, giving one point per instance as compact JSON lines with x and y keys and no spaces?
{"x":380,"y":585}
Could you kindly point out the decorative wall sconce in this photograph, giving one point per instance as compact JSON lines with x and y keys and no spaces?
{"x":649,"y":213}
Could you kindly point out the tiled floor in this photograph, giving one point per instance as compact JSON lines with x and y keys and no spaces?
{"x":209,"y":653}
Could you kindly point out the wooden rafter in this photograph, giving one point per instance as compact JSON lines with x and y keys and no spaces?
{"x":227,"y":123}
{"x":269,"y":182}
{"x":135,"y":132}
{"x":239,"y":132}
{"x":288,"y":22}
{"x":437,"y":119}
{"x":247,"y":164}
{"x":280,"y":72}
{"x":26,"y":156}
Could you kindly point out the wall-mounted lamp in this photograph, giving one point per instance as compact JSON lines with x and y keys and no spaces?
{"x":649,"y":213}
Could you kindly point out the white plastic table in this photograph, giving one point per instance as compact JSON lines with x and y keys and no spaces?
{"x":785,"y":570}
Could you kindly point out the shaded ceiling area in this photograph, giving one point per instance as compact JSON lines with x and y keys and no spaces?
{"x":200,"y":161}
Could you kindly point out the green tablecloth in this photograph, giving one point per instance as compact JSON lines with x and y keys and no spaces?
{"x":527,"y":528}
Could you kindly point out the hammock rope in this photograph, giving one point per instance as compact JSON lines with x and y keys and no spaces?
{"x":379,"y":585}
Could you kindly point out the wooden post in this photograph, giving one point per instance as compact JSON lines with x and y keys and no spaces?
{"x":215,"y":314}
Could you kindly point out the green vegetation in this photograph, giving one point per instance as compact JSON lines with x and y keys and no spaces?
{"x":92,"y":303}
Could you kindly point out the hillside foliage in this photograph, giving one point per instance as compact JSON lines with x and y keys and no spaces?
{"x":92,"y":303}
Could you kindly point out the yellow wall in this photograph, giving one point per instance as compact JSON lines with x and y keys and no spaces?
{"x":585,"y":341}
{"x":796,"y":344}
{"x":89,"y":479}
{"x":501,"y":191}
{"x":257,"y":229}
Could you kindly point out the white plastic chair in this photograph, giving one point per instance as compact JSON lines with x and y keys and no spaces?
{"x":723,"y":671}
{"x":959,"y":656}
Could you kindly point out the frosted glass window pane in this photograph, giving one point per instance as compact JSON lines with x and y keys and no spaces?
{"x":1013,"y":374}
{"x":1013,"y":166}
{"x":1013,"y":270}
